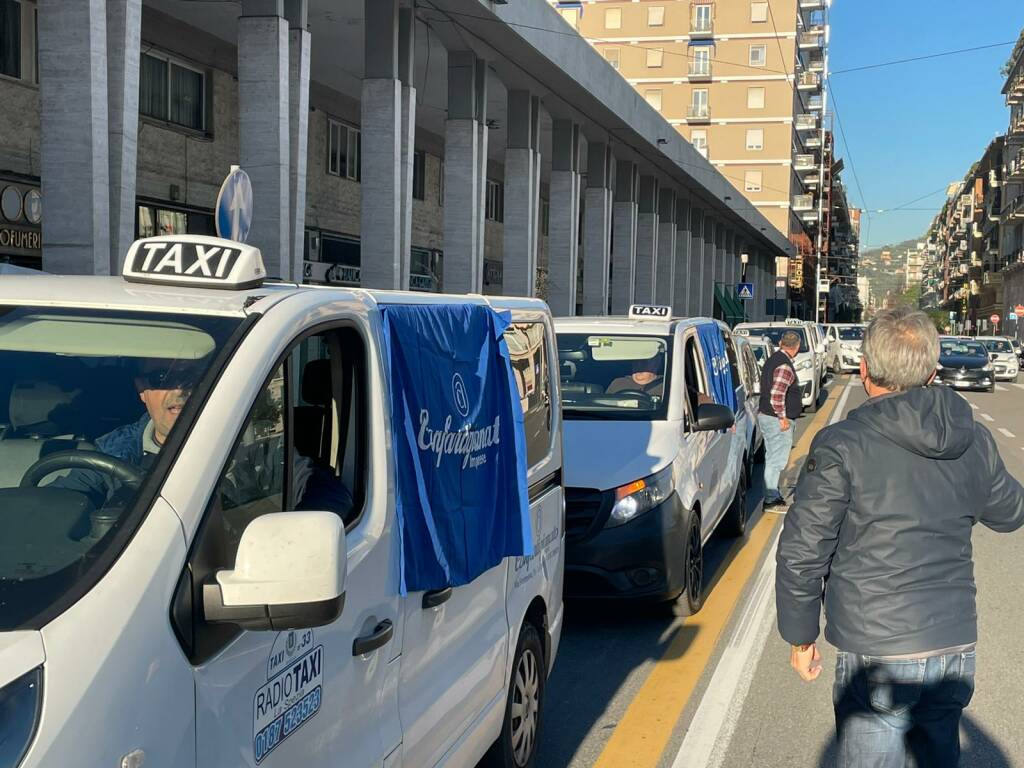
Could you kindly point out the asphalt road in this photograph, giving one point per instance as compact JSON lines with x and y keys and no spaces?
{"x":640,"y":687}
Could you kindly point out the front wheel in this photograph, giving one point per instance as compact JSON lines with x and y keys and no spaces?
{"x":734,"y":524}
{"x":520,"y":729}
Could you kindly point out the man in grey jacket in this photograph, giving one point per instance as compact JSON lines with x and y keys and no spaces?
{"x":881,"y":529}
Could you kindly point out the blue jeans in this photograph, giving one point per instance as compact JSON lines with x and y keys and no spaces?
{"x":890,"y":714}
{"x":777,"y":445}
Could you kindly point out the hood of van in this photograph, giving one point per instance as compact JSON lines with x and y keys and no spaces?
{"x":607,"y":454}
{"x":20,"y":652}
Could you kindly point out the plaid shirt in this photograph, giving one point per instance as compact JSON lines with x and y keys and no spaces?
{"x":783,"y":379}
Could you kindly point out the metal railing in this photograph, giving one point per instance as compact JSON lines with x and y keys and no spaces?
{"x":812,"y":38}
{"x":700,"y":69}
{"x":806,"y":122}
{"x":808,"y":80}
{"x":698,"y":112}
{"x":805,"y":163}
{"x":701,"y":26}
{"x":803,"y":203}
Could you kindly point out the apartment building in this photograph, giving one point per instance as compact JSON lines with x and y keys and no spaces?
{"x":740,"y":79}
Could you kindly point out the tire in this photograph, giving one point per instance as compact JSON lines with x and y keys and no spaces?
{"x":520,"y":727}
{"x":734,"y":523}
{"x":813,"y":407}
{"x":692,"y":598}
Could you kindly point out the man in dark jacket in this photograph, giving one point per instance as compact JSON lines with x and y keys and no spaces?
{"x":881,"y":525}
{"x":779,"y":406}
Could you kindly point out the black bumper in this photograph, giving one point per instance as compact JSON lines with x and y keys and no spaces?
{"x":642,"y":559}
{"x":970,"y":379}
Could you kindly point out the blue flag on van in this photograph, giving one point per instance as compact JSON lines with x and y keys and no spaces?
{"x":458,"y":443}
{"x":722,"y":386}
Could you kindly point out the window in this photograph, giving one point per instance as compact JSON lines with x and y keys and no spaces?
{"x":755,"y":98}
{"x":701,"y":21}
{"x":495,"y":208}
{"x":303,"y":447}
{"x":655,"y":56}
{"x":701,"y":64}
{"x":613,"y":18}
{"x":699,"y":102}
{"x":697,"y":390}
{"x":344,"y":144}
{"x":653,"y":97}
{"x":419,"y":167}
{"x":545,"y":218}
{"x":755,"y":139}
{"x":19,"y":56}
{"x":571,"y":15}
{"x":162,"y":221}
{"x":759,"y":12}
{"x":611,"y":55}
{"x":752,"y":181}
{"x":172,"y":91}
{"x":730,"y":352}
{"x":656,"y":16}
{"x":528,"y":353}
{"x":757,"y":55}
{"x":699,"y":139}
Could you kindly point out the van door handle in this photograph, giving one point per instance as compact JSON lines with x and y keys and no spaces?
{"x":436,"y":597}
{"x":381,"y":634}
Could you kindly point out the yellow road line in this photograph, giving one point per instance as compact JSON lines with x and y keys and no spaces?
{"x":640,"y":738}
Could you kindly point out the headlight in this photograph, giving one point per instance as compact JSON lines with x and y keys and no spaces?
{"x":19,"y":713}
{"x":633,"y":499}
{"x":988,"y":367}
{"x":805,"y":365}
{"x":938,"y":366}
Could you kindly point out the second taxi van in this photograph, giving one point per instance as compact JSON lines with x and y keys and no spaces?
{"x":215,"y":533}
{"x":655,"y":451}
{"x":806,"y":361}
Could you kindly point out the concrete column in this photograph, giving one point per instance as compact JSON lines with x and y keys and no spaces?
{"x":124,"y":26}
{"x":695,"y":266}
{"x":707,"y":289}
{"x":480,"y":99}
{"x":406,"y":73}
{"x":665,"y":264}
{"x":681,"y":277}
{"x":519,"y":254}
{"x":381,"y":173}
{"x":263,"y":134}
{"x":463,"y":179}
{"x":564,"y":218}
{"x":299,"y":43}
{"x":597,"y":229}
{"x":75,"y":166}
{"x":624,"y":226}
{"x":646,"y":241}
{"x":720,"y":256}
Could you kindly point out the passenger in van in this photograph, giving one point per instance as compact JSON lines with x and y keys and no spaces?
{"x":647,"y":377}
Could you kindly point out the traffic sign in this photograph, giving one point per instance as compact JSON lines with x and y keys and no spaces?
{"x":233,"y":215}
{"x":1012,"y":316}
{"x":745,"y":291}
{"x":1019,"y":310}
{"x":994,"y":319}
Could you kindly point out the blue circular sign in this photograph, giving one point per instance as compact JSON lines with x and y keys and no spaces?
{"x":234,"y":206}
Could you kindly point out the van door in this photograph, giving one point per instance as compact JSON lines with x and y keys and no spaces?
{"x":303,"y":697}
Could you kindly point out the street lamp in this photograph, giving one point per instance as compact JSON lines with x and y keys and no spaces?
{"x":744,"y":258}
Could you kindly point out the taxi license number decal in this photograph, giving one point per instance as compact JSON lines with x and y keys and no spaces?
{"x":287,"y":702}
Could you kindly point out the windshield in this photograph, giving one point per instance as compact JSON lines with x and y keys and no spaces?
{"x":955,"y":347}
{"x":854,"y":333}
{"x":87,"y":399}
{"x":614,"y":377}
{"x":775,"y":333}
{"x":760,"y":352}
{"x":998,"y":345}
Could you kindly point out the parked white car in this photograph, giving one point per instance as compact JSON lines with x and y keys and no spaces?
{"x":653,"y":464}
{"x":234,"y":596}
{"x":1003,"y":357}
{"x":844,"y":346}
{"x":806,"y":362}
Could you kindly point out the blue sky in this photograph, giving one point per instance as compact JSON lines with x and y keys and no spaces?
{"x":914,"y":128}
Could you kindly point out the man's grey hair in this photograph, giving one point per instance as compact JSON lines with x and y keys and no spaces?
{"x":901,"y":348}
{"x":789,"y":340}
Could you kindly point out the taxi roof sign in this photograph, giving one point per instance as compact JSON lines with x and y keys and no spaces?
{"x":197,"y":261}
{"x":650,"y":312}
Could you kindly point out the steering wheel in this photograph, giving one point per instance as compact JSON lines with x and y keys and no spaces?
{"x":637,"y":393}
{"x":89,"y":460}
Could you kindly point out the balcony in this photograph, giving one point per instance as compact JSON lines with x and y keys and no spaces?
{"x":1015,"y":168}
{"x":812,"y":38}
{"x":816,"y":102}
{"x":808,"y":81}
{"x":807,"y":122}
{"x":803,"y":203}
{"x":811,"y":181}
{"x":804,"y":163}
{"x":812,"y":141}
{"x":812,"y":5}
{"x":815,"y":61}
{"x":701,"y":29}
{"x":698,"y":113}
{"x":700,"y":71}
{"x":1014,"y":211}
{"x":1015,"y":89}
{"x":1017,"y":123}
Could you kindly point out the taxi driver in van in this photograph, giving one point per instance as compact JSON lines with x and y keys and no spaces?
{"x":647,"y":377}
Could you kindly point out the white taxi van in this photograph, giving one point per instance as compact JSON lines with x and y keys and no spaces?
{"x":200,"y":554}
{"x":654,"y":457}
{"x":806,"y":361}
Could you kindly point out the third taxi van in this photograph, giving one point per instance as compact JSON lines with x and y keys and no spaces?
{"x":655,"y":449}
{"x":253,"y":523}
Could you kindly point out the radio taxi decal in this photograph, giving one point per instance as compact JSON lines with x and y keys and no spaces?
{"x":292,"y":694}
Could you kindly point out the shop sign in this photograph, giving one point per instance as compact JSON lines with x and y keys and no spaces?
{"x":16,"y":240}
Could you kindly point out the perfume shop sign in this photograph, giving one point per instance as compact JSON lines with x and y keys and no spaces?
{"x":20,"y":241}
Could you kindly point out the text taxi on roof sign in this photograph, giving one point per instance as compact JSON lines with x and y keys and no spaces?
{"x":652,"y":463}
{"x":247,"y":529}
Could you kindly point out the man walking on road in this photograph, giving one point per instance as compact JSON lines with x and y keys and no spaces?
{"x":881,"y":524}
{"x":779,"y":406}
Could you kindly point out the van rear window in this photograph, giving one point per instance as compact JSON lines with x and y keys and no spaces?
{"x":775,"y":334}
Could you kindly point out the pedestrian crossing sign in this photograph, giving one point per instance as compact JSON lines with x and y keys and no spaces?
{"x":745,"y":291}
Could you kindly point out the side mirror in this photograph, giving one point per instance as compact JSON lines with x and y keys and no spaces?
{"x":712,"y":417}
{"x":289,"y":574}
{"x":993,"y":356}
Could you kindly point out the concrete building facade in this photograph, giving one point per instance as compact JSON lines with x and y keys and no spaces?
{"x":389,"y":146}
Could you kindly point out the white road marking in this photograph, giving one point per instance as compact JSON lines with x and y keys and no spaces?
{"x":1001,"y":388}
{"x":971,"y":404}
{"x":707,"y":739}
{"x":986,"y":417}
{"x":1007,"y":432}
{"x":837,"y":414}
